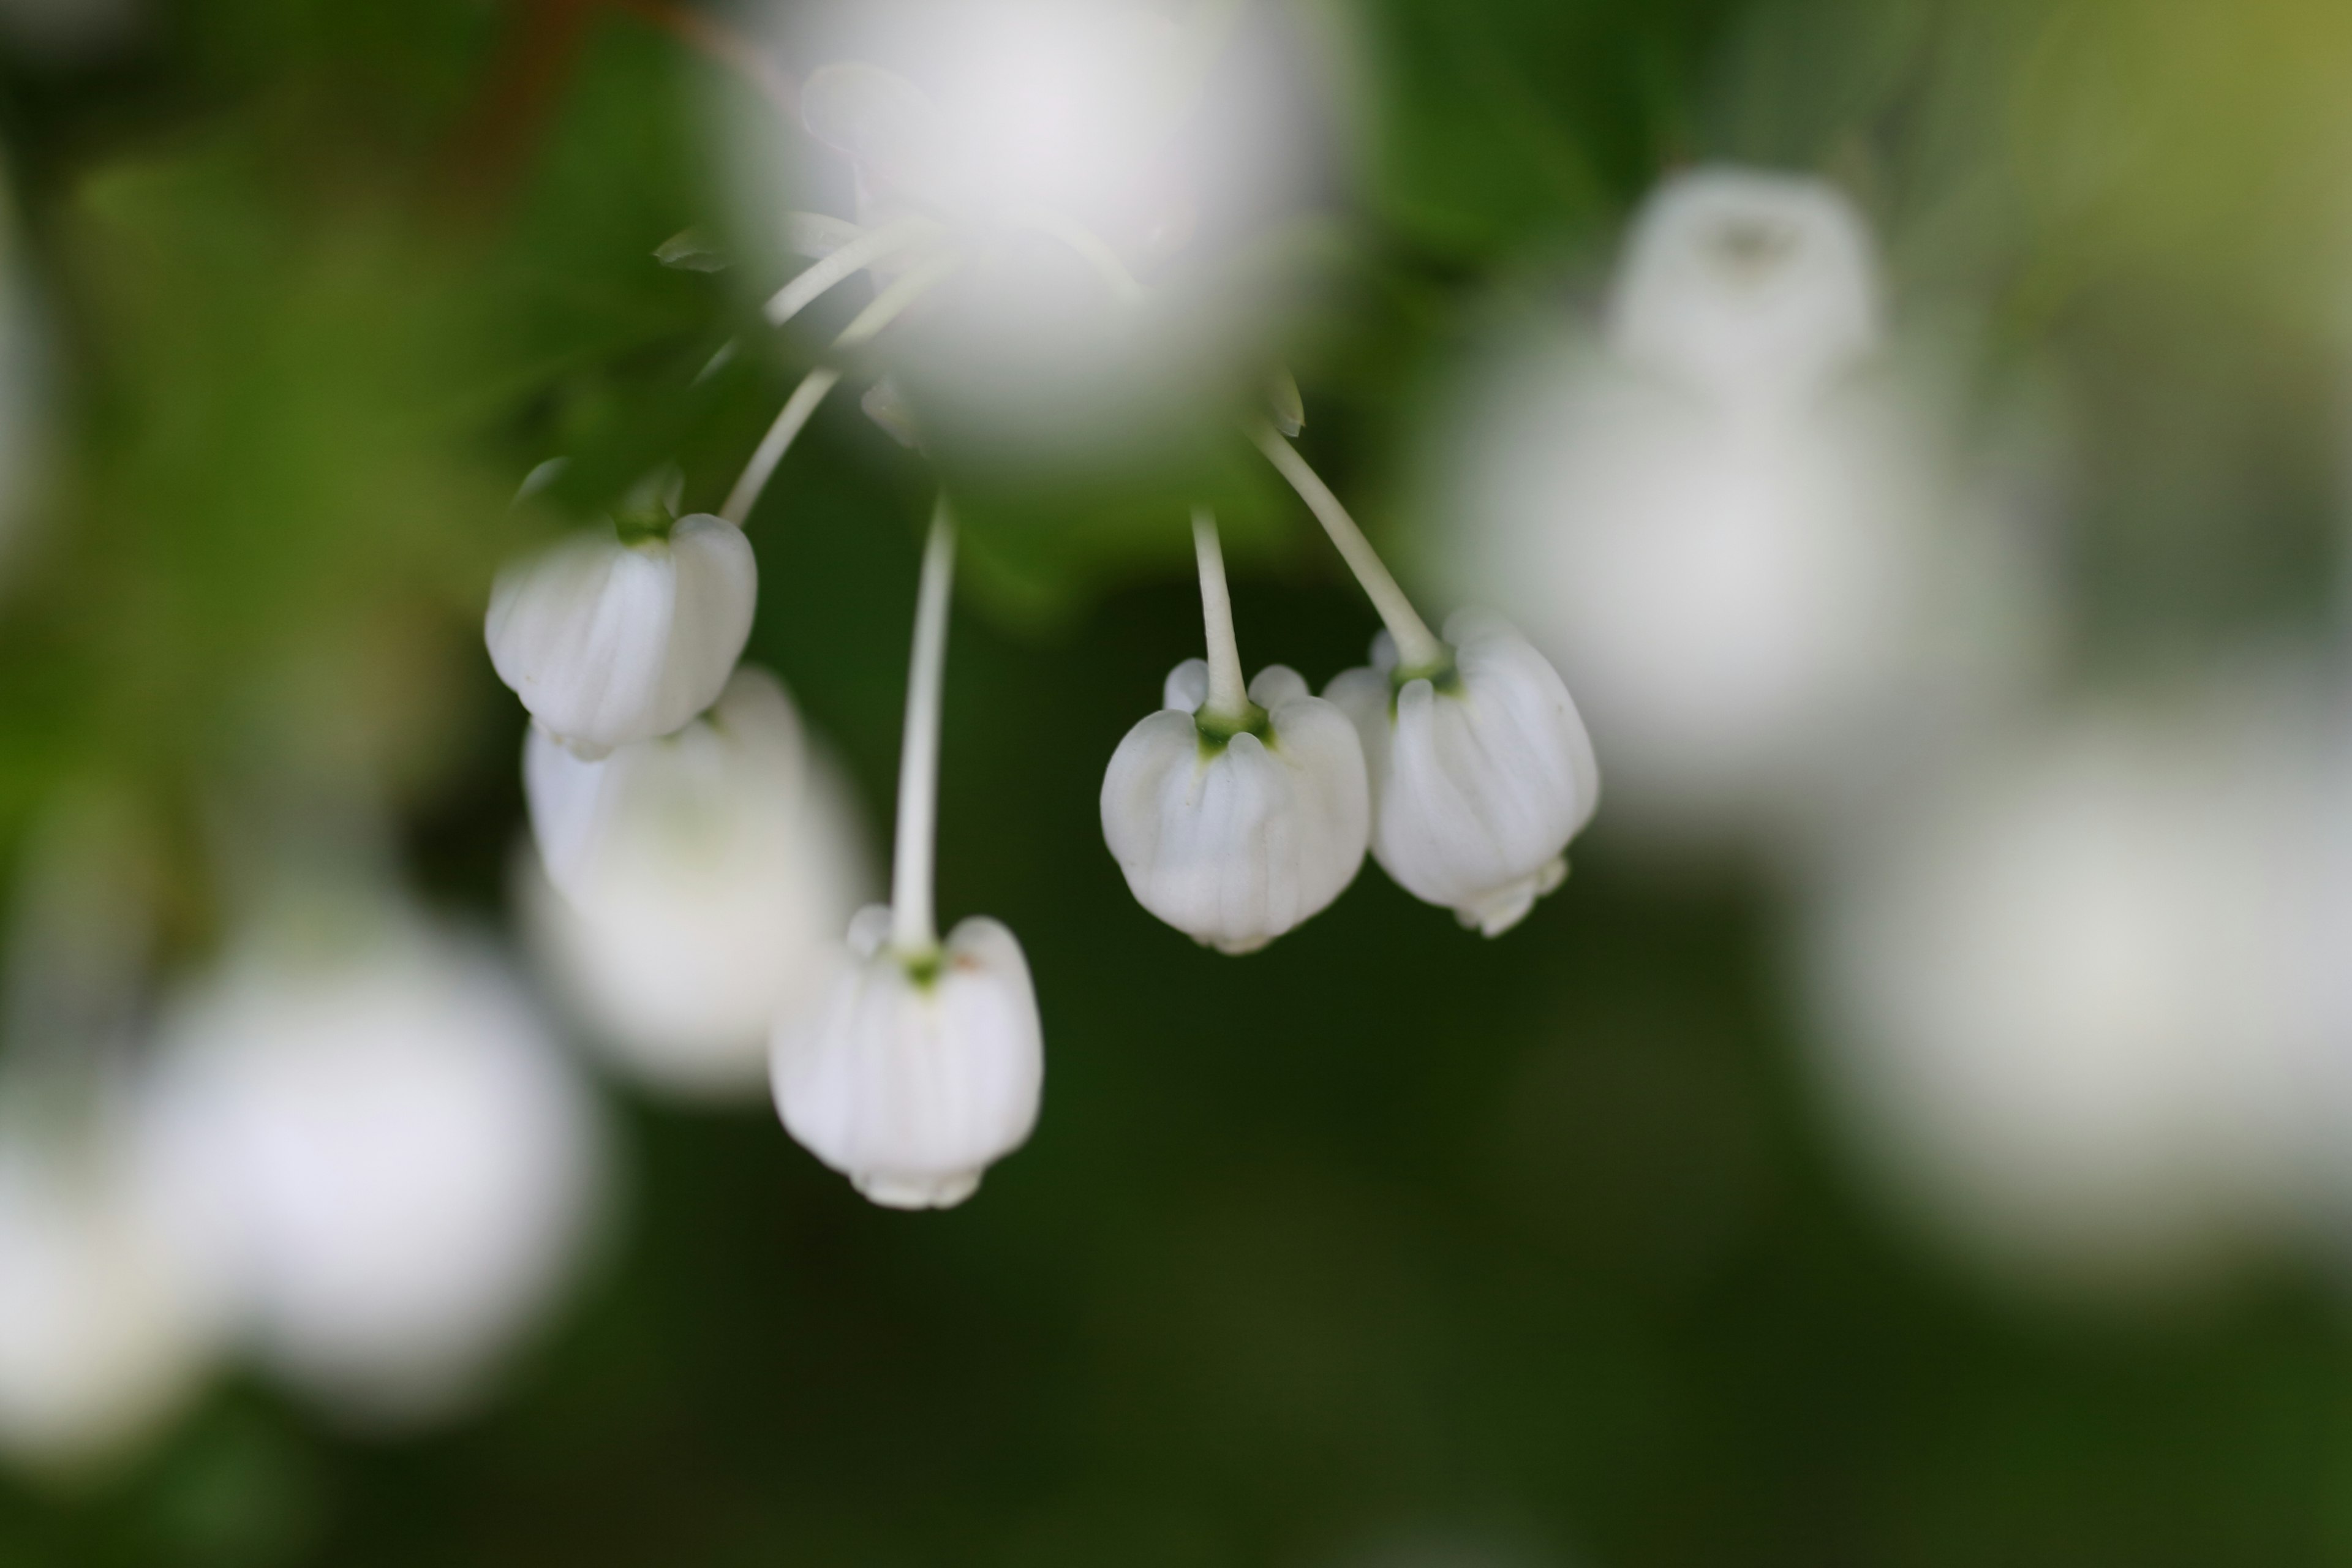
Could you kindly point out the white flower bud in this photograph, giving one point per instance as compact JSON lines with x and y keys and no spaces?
{"x":693,"y":883}
{"x":608,"y":642}
{"x":1480,"y":773}
{"x":1235,"y":842}
{"x":912,"y":1078}
{"x":409,"y":1160}
{"x":1746,"y":284}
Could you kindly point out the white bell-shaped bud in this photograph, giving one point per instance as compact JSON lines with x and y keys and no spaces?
{"x":915,"y":1074}
{"x":1481,"y":769}
{"x":114,"y":1296}
{"x":1234,"y":837}
{"x":409,"y":1160}
{"x":1746,"y":284}
{"x":609,"y":640}
{"x":692,"y":884}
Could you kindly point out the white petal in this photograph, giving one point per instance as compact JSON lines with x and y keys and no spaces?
{"x":913,"y":1088}
{"x":1236,"y":846}
{"x":1187,"y":686}
{"x":607,"y":644}
{"x":1477,"y":788}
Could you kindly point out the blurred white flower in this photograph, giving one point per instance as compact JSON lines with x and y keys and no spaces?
{"x":1481,"y":771}
{"x":923,"y":1063}
{"x":1235,"y":815}
{"x":2075,"y":993}
{"x":1748,"y":285}
{"x":1235,"y":840}
{"x":1021,"y":167}
{"x":1728,"y":524}
{"x":609,"y":641}
{"x":915,"y":1074}
{"x":692,"y":884}
{"x":114,"y":1292}
{"x":410,"y":1163}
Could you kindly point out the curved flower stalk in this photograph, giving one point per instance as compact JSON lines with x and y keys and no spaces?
{"x":611,"y":639}
{"x":1480,"y":767}
{"x":1236,"y":815}
{"x":923,"y":1063}
{"x":690,"y":885}
{"x":409,"y":1164}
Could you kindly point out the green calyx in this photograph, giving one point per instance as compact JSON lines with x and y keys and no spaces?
{"x":923,"y":968}
{"x":1444,"y":677}
{"x":1442,"y":674}
{"x":1217,"y":730}
{"x":644,"y":525}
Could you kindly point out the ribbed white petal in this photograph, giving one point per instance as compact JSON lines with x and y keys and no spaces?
{"x":913,"y":1087}
{"x":1478,"y":787}
{"x":1235,"y":844}
{"x":608,"y":643}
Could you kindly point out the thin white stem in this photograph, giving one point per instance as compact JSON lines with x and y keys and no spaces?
{"x":1417,"y":648}
{"x":798,"y":408}
{"x":888,"y":306}
{"x":870,"y":247}
{"x":1228,"y":693}
{"x":913,"y":932}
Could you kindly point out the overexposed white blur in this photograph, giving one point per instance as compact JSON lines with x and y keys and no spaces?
{"x":113,"y":1294}
{"x":411,"y":1163}
{"x":2075,"y":996}
{"x":1092,"y":164}
{"x":685,"y":889}
{"x":1725,"y":516}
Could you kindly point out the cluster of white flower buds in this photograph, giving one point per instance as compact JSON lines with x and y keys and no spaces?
{"x":1237,"y":813}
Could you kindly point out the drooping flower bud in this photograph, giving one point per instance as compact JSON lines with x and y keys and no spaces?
{"x":1481,"y":771}
{"x":692,"y":884}
{"x":924,"y":1063}
{"x":609,"y":640}
{"x":1235,"y":837}
{"x":915,"y":1074}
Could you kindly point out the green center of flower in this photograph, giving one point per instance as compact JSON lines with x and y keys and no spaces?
{"x":1217,"y":730}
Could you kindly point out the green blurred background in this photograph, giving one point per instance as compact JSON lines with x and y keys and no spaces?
{"x":1387,"y":1246}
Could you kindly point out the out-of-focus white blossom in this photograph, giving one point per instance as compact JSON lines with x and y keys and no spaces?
{"x":1024,"y":167}
{"x":409,"y":1161}
{"x":609,"y":641}
{"x":1746,"y":286}
{"x":692,"y":883}
{"x":1236,"y":839}
{"x":1731,"y":528}
{"x":2075,"y":994}
{"x":1481,"y":773}
{"x":915,"y":1074}
{"x":114,"y":1290}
